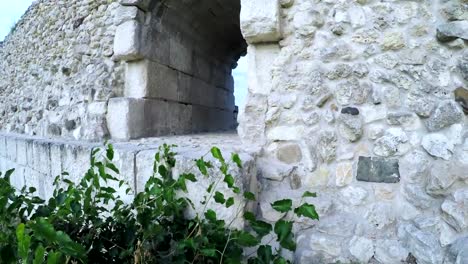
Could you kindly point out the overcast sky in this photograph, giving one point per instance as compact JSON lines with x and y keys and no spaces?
{"x":11,"y":12}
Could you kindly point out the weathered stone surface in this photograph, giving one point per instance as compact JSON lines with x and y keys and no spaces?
{"x":414,"y":166}
{"x":461,"y":97}
{"x":456,"y":210}
{"x":289,"y":153}
{"x":350,"y":127}
{"x":354,"y":195}
{"x":458,"y":251}
{"x":452,"y":30}
{"x":423,"y":245}
{"x":442,"y":176}
{"x":391,"y":143}
{"x":393,"y":41}
{"x":344,"y":174}
{"x":373,"y":169}
{"x":326,"y":145}
{"x":260,"y":24}
{"x":351,"y":92}
{"x":446,"y":114}
{"x":417,"y":196}
{"x":438,"y":146}
{"x":361,"y":248}
{"x":390,"y":251}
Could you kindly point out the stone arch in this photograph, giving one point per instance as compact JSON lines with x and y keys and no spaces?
{"x":179,"y":56}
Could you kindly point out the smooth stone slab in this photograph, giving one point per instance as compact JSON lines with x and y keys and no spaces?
{"x":374,"y":169}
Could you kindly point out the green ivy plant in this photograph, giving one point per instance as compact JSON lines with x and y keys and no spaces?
{"x":89,"y":222}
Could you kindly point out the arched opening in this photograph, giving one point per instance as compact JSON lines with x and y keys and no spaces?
{"x":179,"y":80}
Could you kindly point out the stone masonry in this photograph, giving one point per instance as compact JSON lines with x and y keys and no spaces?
{"x":363,"y":101}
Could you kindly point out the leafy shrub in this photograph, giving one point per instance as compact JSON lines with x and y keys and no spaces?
{"x":89,"y":222}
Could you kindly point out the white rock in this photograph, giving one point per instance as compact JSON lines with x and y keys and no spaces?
{"x":438,"y":145}
{"x":361,"y":248}
{"x":390,"y":251}
{"x":354,"y":195}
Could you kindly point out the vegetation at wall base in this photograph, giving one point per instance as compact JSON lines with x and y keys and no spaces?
{"x":89,"y":222}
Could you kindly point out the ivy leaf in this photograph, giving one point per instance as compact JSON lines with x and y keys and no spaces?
{"x":283,"y":230}
{"x":280,"y":260}
{"x":265,"y":254}
{"x":249,"y":196}
{"x":309,"y":194}
{"x":54,"y":257}
{"x":210,"y":215}
{"x":246,"y":239}
{"x":24,"y":241}
{"x":209,"y":252}
{"x":282,"y":206}
{"x":202,"y":166}
{"x":307,"y":210}
{"x":219,"y":198}
{"x":229,"y":202}
{"x":236,"y":190}
{"x":261,"y":228}
{"x":191,"y":177}
{"x":110,"y":152}
{"x":235,"y":157}
{"x":217,"y":154}
{"x":229,"y":180}
{"x":249,"y":216}
{"x":113,"y":168}
{"x":39,"y":255}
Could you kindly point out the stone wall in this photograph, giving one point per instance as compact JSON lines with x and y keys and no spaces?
{"x":57,"y":71}
{"x":179,"y":56}
{"x":37,"y":161}
{"x":364,"y":102}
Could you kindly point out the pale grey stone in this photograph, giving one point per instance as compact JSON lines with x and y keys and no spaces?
{"x":374,"y":169}
{"x":423,"y":245}
{"x":354,"y":195}
{"x":421,"y":103}
{"x":452,"y":30}
{"x":457,"y":252}
{"x":289,"y":153}
{"x":391,"y":143}
{"x":390,"y":251}
{"x":446,"y":114}
{"x":361,"y":248}
{"x":417,"y":196}
{"x":456,"y":211}
{"x":326,"y":145}
{"x":442,"y":176}
{"x":438,"y":146}
{"x":414,"y":166}
{"x":340,"y":71}
{"x":350,"y":127}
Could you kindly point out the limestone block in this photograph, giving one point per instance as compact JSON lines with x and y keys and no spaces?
{"x":261,"y":58}
{"x":41,"y":152}
{"x":142,"y":4}
{"x":126,"y":13}
{"x":180,"y":55}
{"x":10,"y":146}
{"x":125,"y":118}
{"x":147,"y":79}
{"x":127,"y":41}
{"x":260,"y":21}
{"x":21,"y":152}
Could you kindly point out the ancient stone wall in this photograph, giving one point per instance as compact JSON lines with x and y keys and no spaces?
{"x":364,"y":102}
{"x":57,"y":72}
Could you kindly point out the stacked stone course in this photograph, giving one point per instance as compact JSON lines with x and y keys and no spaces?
{"x":57,"y":72}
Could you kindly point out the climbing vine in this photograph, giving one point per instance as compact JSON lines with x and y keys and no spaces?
{"x":89,"y":221}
